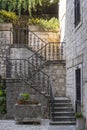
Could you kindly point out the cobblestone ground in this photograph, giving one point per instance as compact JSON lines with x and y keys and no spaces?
{"x":10,"y":125}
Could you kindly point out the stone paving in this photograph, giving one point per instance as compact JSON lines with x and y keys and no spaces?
{"x":10,"y":125}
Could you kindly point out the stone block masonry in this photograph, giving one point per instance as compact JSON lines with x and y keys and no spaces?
{"x":6,"y":34}
{"x":76,"y":49}
{"x":14,"y":88}
{"x":57,"y":73}
{"x":6,"y":38}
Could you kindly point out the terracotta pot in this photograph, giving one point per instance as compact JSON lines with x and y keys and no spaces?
{"x":22,"y":102}
{"x":35,"y":102}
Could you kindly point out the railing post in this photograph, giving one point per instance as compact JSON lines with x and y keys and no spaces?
{"x":8,"y":68}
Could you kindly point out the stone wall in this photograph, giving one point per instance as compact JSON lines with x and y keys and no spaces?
{"x":14,"y":88}
{"x":6,"y":38}
{"x":6,"y":34}
{"x":76,"y":50}
{"x":20,"y":53}
{"x":57,"y":74}
{"x":45,"y":35}
{"x":56,"y":71}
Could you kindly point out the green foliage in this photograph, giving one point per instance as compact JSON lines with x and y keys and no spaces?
{"x":7,"y":17}
{"x":78,"y":115}
{"x":48,"y":25}
{"x":2,"y":99}
{"x":23,"y":97}
{"x":24,"y":5}
{"x":19,"y":5}
{"x":49,"y":2}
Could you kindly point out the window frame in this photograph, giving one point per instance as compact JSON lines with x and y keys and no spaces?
{"x":77,"y":12}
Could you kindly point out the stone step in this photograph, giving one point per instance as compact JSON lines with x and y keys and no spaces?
{"x":63,"y":114}
{"x":62,"y":123}
{"x":64,"y":118}
{"x":61,"y":100}
{"x":61,"y":104}
{"x":63,"y":109}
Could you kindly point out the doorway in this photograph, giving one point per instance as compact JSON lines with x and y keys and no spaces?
{"x":20,"y":36}
{"x":78,"y":89}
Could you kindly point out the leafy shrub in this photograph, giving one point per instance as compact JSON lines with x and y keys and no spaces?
{"x":47,"y":25}
{"x":78,"y":115}
{"x":23,"y":97}
{"x":7,"y":17}
{"x":20,"y":5}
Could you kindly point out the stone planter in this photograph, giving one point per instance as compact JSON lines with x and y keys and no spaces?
{"x":28,"y":113}
{"x":80,"y":124}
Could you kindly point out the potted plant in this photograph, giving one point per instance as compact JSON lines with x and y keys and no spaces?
{"x":80,"y":121}
{"x":27,"y":110}
{"x":23,"y":98}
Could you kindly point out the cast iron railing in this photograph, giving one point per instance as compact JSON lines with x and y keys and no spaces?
{"x":24,"y":37}
{"x":30,"y":70}
{"x":51,"y":103}
{"x":44,"y":50}
{"x":20,"y":68}
{"x":49,"y":52}
{"x":35,"y":42}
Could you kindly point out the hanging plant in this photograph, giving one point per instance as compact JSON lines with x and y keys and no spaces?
{"x":19,"y":5}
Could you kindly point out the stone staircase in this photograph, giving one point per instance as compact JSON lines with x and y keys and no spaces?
{"x":62,"y":112}
{"x":30,"y":71}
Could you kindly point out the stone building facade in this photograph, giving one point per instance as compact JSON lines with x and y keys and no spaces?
{"x":73,"y":23}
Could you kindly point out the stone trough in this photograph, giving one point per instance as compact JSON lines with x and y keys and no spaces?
{"x":30,"y":113}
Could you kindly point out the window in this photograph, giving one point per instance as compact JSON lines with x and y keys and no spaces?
{"x":77,"y":12}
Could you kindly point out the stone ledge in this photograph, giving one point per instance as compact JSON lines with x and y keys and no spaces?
{"x":56,"y":61}
{"x":5,"y":26}
{"x":27,"y":120}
